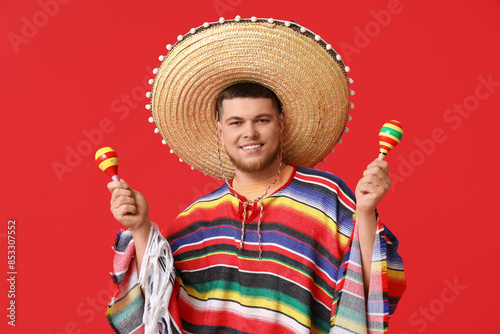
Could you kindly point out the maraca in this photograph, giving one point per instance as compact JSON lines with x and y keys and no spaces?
{"x":389,"y":136}
{"x":107,"y":160}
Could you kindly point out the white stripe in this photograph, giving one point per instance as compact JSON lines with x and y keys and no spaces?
{"x":335,"y":191}
{"x":120,"y":272}
{"x":204,"y":240}
{"x":257,"y":313}
{"x":329,"y":181}
{"x":251,"y":272}
{"x":353,"y":294}
{"x":264,"y":244}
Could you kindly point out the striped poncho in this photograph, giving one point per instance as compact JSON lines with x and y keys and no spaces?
{"x":308,"y":281}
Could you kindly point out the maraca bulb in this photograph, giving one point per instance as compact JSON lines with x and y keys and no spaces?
{"x":107,"y":160}
{"x":389,"y":136}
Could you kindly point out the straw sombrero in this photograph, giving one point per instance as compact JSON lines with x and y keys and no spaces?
{"x":308,"y":76}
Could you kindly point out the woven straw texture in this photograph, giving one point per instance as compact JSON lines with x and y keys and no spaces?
{"x":311,"y":85}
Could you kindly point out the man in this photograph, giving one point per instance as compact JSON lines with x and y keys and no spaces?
{"x":277,"y":248}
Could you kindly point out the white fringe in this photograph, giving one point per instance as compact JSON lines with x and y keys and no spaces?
{"x":156,"y":282}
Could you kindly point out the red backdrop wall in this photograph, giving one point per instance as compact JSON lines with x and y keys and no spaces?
{"x":73,"y":74}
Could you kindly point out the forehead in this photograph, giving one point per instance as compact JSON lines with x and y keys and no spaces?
{"x":247,"y":107}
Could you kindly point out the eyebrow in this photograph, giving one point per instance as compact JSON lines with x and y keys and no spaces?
{"x":238,"y":118}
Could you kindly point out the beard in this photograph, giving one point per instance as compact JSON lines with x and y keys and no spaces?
{"x":256,"y":166}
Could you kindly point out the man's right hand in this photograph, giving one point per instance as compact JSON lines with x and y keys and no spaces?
{"x":128,"y":206}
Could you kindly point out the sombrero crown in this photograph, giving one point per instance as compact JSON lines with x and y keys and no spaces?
{"x":307,"y":75}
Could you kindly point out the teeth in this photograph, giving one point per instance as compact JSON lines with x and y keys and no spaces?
{"x":251,"y":147}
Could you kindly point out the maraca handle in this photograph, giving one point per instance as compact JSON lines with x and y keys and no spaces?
{"x":381,"y":156}
{"x":115,"y":178}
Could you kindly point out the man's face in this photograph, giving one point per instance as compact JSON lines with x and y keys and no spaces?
{"x":249,"y":130}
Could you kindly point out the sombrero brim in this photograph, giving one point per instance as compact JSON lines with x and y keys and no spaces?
{"x":301,"y":69}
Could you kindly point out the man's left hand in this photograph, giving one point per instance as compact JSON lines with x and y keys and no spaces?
{"x":372,"y":187}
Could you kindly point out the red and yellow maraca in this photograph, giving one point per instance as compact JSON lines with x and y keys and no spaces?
{"x":389,"y":136}
{"x":107,"y":160}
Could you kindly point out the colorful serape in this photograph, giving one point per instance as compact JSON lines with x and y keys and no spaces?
{"x":309,"y":279}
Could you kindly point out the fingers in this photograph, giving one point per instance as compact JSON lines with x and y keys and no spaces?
{"x":381,"y":164}
{"x":375,"y":178}
{"x":117,"y":185}
{"x":122,"y":198}
{"x":374,"y":184}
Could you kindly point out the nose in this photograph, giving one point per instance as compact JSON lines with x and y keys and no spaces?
{"x":250,"y":130}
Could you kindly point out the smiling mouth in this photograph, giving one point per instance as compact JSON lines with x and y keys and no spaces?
{"x":251,"y":147}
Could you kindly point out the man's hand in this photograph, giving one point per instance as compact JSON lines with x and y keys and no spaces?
{"x":128,"y":206}
{"x":369,"y":191}
{"x":372,"y":187}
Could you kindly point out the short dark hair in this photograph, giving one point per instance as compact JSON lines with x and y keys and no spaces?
{"x":248,"y":89}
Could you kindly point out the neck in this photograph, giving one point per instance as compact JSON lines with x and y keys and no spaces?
{"x":248,"y":178}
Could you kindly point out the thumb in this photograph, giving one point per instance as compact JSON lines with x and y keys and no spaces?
{"x":124,"y":184}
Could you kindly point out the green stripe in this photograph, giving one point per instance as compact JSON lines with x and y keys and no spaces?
{"x":263,"y":293}
{"x":393,"y":132}
{"x":249,"y":258}
{"x":128,"y":310}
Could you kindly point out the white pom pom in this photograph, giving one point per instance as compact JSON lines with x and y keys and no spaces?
{"x":338,"y":57}
{"x":149,"y":94}
{"x":155,"y":70}
{"x":180,"y":37}
{"x":161,"y":58}
{"x":340,"y":141}
{"x":151,"y":81}
{"x":148,"y":106}
{"x":303,"y":29}
{"x":347,"y":68}
{"x":157,"y":130}
{"x":150,"y":119}
{"x":349,"y":117}
{"x":192,"y":168}
{"x":237,"y":18}
{"x":317,"y":37}
{"x":351,"y":105}
{"x":271,"y":20}
{"x":221,"y":20}
{"x":164,"y":142}
{"x":287,"y":23}
{"x":346,"y":129}
{"x":328,"y":47}
{"x":193,"y":30}
{"x":332,"y":151}
{"x":351,"y":81}
{"x":206,"y":25}
{"x":171,"y":151}
{"x":169,"y":47}
{"x":180,"y":160}
{"x":352,"y":92}
{"x":253,"y":18}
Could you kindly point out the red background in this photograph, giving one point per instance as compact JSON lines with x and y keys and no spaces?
{"x":67,"y":71}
